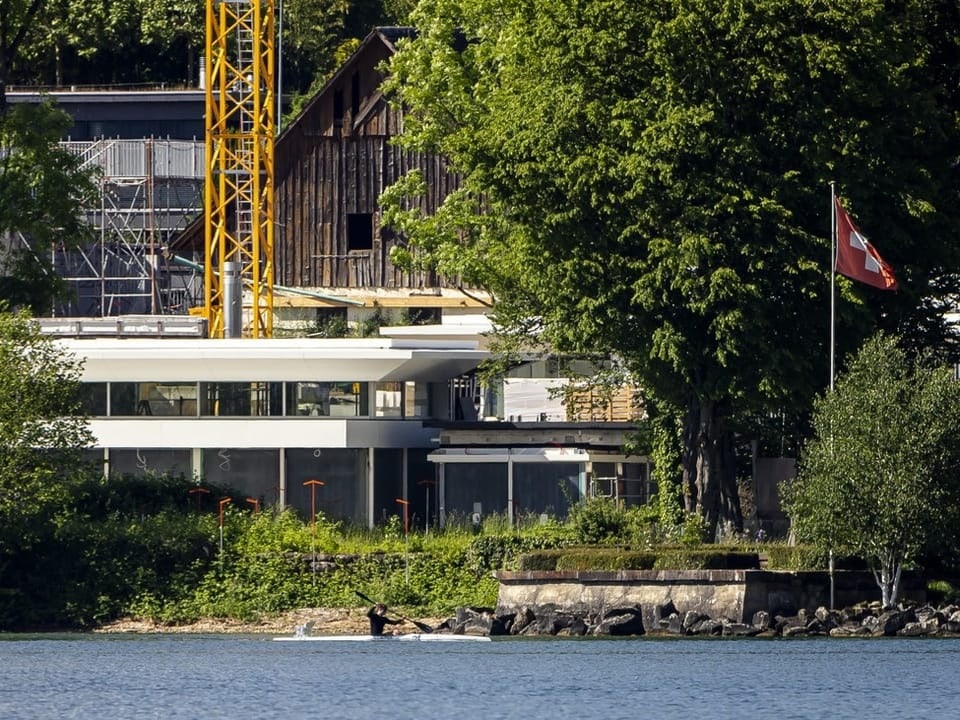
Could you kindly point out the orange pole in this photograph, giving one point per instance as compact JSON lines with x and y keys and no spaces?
{"x":199,"y":492}
{"x":406,"y":516}
{"x":313,"y":522}
{"x":223,"y":502}
{"x":255,"y":503}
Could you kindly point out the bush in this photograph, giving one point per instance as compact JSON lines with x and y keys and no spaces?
{"x":664,"y":558}
{"x":781,"y":556}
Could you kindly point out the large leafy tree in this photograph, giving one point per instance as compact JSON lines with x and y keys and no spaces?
{"x":17,"y":19}
{"x":650,"y":181}
{"x":42,"y":189}
{"x":176,"y":27}
{"x":42,"y":431}
{"x":880,"y":478}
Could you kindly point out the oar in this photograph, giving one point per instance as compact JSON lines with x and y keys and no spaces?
{"x":422,"y":627}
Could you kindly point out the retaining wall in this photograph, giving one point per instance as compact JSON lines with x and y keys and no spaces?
{"x":734,"y":594}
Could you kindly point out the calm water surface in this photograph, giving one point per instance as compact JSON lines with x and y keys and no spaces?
{"x":251,"y":677}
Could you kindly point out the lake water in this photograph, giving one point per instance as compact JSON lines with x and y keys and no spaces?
{"x":241,"y":677}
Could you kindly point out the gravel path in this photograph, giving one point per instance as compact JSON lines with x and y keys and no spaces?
{"x":326,"y":621}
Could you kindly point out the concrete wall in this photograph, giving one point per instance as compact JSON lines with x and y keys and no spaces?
{"x":734,"y":594}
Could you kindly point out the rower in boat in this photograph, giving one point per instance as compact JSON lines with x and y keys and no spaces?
{"x":378,"y":619}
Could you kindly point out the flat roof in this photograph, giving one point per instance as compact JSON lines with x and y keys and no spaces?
{"x":283,"y":359}
{"x":63,"y":96}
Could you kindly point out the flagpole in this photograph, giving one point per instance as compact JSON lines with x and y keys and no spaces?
{"x":833,"y":303}
{"x":833,"y":271}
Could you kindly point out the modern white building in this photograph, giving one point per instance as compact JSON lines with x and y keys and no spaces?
{"x":384,"y":424}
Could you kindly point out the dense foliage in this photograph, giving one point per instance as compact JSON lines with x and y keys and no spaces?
{"x":650,"y":182}
{"x":42,"y":435}
{"x":137,"y":42}
{"x":42,"y":188}
{"x":881,"y":477}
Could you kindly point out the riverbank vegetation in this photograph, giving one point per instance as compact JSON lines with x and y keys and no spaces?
{"x":138,"y":548}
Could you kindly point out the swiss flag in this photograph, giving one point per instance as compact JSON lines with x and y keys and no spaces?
{"x":857,"y":258}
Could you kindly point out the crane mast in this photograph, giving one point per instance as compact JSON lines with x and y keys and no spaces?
{"x":239,"y":177}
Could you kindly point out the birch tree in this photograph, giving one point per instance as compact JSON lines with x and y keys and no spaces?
{"x":881,"y":477}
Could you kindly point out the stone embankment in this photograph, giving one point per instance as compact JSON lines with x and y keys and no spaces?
{"x":858,"y":621}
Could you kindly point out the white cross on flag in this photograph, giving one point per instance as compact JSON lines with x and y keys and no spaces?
{"x":857,"y":258}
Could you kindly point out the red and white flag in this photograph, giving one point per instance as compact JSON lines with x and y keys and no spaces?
{"x":857,"y":258}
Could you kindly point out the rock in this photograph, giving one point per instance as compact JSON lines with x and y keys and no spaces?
{"x":843,"y":631}
{"x":523,"y":617}
{"x":655,"y":616}
{"x":916,"y":629}
{"x":707,"y":626}
{"x":576,"y":628}
{"x":761,"y":620}
{"x":783,"y":624}
{"x":474,"y":621}
{"x":620,"y":621}
{"x":855,"y":614}
{"x":691,"y":618}
{"x":739,"y":630}
{"x":828,"y":618}
{"x":893,"y":621}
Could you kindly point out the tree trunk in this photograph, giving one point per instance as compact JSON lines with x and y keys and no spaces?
{"x":891,"y":568}
{"x":192,"y":79}
{"x":709,"y":475}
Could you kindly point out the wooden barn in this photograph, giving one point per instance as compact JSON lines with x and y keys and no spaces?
{"x":332,"y":164}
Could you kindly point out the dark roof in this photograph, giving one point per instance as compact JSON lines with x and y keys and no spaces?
{"x":394,"y":33}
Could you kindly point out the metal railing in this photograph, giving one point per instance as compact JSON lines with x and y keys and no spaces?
{"x":147,"y":157}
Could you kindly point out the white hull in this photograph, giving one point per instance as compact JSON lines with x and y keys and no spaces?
{"x":414,"y":637}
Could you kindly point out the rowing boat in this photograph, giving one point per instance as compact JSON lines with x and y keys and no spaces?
{"x":410,"y":637}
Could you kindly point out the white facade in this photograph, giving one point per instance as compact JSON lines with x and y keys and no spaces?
{"x":233,"y":413}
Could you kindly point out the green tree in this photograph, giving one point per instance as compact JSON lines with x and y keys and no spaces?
{"x":650,"y":182}
{"x":175,"y":25}
{"x":880,"y":478}
{"x":42,"y":433}
{"x":17,"y":20}
{"x":42,"y":188}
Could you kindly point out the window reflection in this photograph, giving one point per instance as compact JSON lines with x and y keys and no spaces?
{"x":93,"y":398}
{"x":389,"y":399}
{"x":241,"y":399}
{"x":234,"y":399}
{"x":327,"y":399}
{"x":153,"y":398}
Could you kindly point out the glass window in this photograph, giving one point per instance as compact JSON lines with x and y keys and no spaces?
{"x":252,"y":472}
{"x":389,"y":399}
{"x":123,"y":398}
{"x":327,"y":399}
{"x":416,"y":399}
{"x":153,"y":398}
{"x":93,"y":398}
{"x":241,"y":399}
{"x":343,"y":472}
{"x":167,"y":399}
{"x":138,"y":462}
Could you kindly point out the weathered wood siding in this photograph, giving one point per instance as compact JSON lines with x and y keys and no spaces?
{"x":333,"y":179}
{"x":335,"y":161}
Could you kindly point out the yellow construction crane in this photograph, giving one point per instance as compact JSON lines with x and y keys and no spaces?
{"x":239,"y":179}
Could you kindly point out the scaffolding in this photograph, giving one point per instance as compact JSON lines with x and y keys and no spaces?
{"x":239,"y":187}
{"x":149,"y":190}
